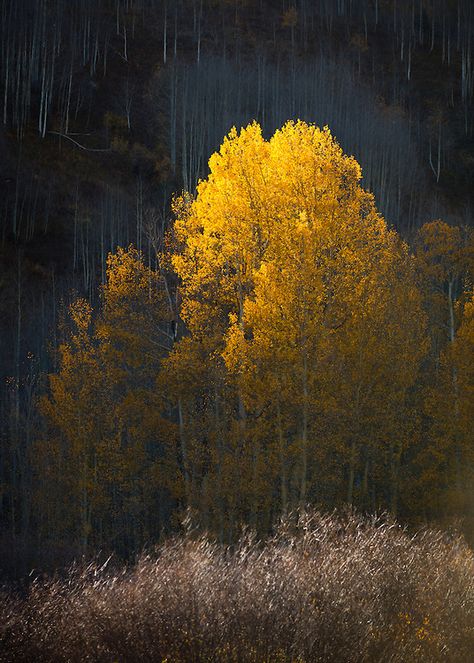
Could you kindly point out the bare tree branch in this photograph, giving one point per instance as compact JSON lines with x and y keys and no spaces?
{"x":87,"y":149}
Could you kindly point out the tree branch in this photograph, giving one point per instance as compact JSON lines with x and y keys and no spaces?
{"x":87,"y":149}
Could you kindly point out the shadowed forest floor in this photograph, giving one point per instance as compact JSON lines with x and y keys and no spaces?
{"x":324,"y":588}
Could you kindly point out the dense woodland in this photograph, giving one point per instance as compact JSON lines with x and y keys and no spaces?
{"x":237,"y":356}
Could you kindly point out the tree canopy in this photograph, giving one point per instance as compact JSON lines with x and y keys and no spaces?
{"x":314,"y":355}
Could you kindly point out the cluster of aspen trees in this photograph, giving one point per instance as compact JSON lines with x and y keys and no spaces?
{"x":288,"y":349}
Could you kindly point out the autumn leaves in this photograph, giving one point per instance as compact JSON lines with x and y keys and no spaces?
{"x":303,"y":306}
{"x":303,"y":369}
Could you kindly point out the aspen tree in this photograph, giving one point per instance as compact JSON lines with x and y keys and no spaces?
{"x":114,"y":452}
{"x":297,"y":294}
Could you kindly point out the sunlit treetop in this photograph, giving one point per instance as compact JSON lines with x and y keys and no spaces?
{"x":260,"y":193}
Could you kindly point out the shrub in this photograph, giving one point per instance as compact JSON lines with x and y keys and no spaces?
{"x":323,"y":588}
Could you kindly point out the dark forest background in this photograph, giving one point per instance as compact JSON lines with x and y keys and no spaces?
{"x":107,"y":108}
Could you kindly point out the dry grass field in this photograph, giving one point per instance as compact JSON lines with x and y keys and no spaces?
{"x":324,"y":588}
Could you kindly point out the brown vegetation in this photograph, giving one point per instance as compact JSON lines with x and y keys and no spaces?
{"x":324,"y":588}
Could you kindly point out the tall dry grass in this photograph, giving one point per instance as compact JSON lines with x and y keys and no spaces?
{"x":324,"y":588}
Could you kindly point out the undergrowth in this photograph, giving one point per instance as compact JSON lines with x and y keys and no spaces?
{"x":324,"y":588}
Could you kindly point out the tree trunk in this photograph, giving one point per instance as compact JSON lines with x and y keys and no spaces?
{"x":304,"y":435}
{"x":283,"y":474}
{"x":184,"y":454}
{"x":353,"y":449}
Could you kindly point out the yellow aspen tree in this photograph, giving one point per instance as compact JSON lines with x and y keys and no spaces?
{"x":284,"y":263}
{"x":134,"y":334}
{"x":77,"y":408}
{"x":463,"y":356}
{"x":222,"y":234}
{"x":450,"y":455}
{"x":337,"y":333}
{"x":445,"y":261}
{"x":107,"y":406}
{"x":445,"y":257}
{"x":380,"y":351}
